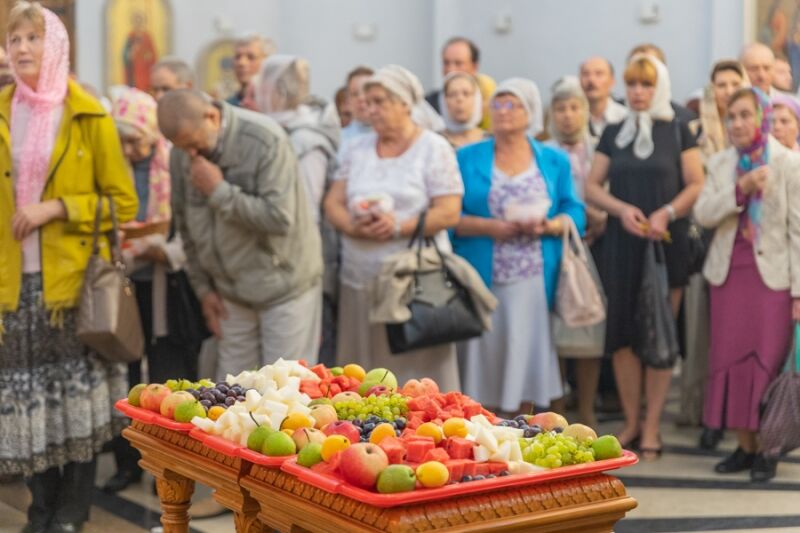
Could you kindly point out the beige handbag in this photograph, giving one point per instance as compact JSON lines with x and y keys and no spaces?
{"x":579,"y":301}
{"x":108,"y":317}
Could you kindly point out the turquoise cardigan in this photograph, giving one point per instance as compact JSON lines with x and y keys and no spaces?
{"x":476,"y":162}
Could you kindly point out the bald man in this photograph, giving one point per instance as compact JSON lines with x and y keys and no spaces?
{"x":597,"y":80}
{"x":253,"y":252}
{"x":759,"y":61}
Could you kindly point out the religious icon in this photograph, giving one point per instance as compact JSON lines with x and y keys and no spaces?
{"x":215,"y":68}
{"x":778,"y":26}
{"x":138,"y":34}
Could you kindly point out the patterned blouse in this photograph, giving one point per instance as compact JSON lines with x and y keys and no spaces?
{"x":521,"y":257}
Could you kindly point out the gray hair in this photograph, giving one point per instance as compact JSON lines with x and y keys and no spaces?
{"x":266,"y":44}
{"x":183,"y":72}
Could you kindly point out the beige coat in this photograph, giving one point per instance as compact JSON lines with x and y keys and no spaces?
{"x":778,"y":252}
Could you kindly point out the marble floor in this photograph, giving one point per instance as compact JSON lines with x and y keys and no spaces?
{"x":677,"y":493}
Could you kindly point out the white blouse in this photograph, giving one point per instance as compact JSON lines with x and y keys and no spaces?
{"x":427,"y":169}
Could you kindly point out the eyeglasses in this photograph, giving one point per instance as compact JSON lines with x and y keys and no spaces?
{"x":505,"y":106}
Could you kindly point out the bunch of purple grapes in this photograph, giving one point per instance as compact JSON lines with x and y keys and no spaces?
{"x":221,"y":394}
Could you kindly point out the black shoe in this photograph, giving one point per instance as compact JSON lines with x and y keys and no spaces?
{"x":121,"y":480}
{"x":56,"y":527}
{"x":763,"y":469}
{"x":710,"y":438}
{"x":738,"y":461}
{"x":30,"y":527}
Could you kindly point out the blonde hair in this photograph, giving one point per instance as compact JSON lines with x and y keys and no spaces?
{"x":24,"y":11}
{"x":641,"y":70}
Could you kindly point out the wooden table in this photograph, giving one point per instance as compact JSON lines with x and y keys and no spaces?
{"x":265,"y":499}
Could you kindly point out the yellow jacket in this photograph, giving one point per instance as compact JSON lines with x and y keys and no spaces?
{"x":87,"y":160}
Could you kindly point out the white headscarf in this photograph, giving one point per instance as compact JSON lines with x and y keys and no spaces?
{"x":406,"y":86}
{"x":564,"y":89}
{"x":278,"y":77}
{"x":638,"y":125}
{"x":477,"y":109}
{"x":528,"y":94}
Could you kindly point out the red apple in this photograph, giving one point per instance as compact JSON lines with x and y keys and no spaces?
{"x":169,"y":403}
{"x":362,"y":463}
{"x":344,"y":428}
{"x":548,"y":421}
{"x":379,"y":390}
{"x":153,"y":395}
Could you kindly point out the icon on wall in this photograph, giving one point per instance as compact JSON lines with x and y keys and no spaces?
{"x":138,"y":32}
{"x":778,"y":26}
{"x":215,"y":69}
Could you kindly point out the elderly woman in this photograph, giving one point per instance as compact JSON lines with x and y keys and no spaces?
{"x":727,"y":76}
{"x":750,"y":199}
{"x":170,"y":313}
{"x":654,"y":173}
{"x":786,"y":120}
{"x":569,"y":131}
{"x":401,"y":170}
{"x":462,"y":109}
{"x":518,"y":194}
{"x":60,"y":153}
{"x":282,"y":92}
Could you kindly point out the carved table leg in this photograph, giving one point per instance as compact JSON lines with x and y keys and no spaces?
{"x":247,"y":520}
{"x":175,"y":493}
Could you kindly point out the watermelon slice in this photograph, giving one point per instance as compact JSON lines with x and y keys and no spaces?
{"x":418,"y":448}
{"x":395,"y":449}
{"x":436,"y":454}
{"x":459,"y":448}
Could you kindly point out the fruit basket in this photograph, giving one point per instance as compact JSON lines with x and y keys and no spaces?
{"x":150,"y":417}
{"x":336,"y":485}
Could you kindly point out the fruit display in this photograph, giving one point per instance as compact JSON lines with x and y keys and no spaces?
{"x":360,"y":427}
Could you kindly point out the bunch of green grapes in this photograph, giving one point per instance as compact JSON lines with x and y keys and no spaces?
{"x":386,"y":407}
{"x":551,"y":450}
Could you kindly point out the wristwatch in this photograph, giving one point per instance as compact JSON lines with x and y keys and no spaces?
{"x":671,"y":211}
{"x":396,"y":228}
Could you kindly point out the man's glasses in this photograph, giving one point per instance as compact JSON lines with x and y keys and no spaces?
{"x":505,"y":106}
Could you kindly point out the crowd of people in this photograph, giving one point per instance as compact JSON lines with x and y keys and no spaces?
{"x":276,"y":212}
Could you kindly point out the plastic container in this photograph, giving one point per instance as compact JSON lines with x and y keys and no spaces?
{"x":264,"y":460}
{"x":336,"y":485}
{"x":218,"y":444}
{"x":527,"y":210}
{"x":149,"y":417}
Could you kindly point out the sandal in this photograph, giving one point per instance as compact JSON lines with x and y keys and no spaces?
{"x":630,"y":444}
{"x":651,"y":453}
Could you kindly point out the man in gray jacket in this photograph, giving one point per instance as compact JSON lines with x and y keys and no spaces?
{"x":253,"y":250}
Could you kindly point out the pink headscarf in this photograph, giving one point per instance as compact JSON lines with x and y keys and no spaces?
{"x":138,"y":109}
{"x":48,"y":95}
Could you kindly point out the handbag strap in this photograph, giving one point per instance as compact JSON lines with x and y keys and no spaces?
{"x":113,"y":235}
{"x":571,"y":240}
{"x":797,"y":347}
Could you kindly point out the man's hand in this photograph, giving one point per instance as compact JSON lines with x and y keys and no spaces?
{"x":206,"y":176}
{"x":214,"y":311}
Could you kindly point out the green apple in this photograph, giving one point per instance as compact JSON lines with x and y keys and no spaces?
{"x":396,"y":478}
{"x":278,"y":444}
{"x":381,"y":376}
{"x":337,"y":371}
{"x":133,"y":395}
{"x":365,"y":386}
{"x":256,"y":439}
{"x":310,"y":455}
{"x":322,"y":401}
{"x":189,"y":409}
{"x":606,"y":447}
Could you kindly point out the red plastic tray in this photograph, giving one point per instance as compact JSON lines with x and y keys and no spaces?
{"x":149,"y":417}
{"x":264,"y":460}
{"x":334,"y":484}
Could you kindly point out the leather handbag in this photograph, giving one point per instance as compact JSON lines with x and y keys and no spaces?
{"x":655,"y":339}
{"x":108,"y":316}
{"x":441,"y":309}
{"x":579,"y":299}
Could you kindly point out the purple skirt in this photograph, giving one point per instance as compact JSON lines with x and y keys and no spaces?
{"x":751,"y":334}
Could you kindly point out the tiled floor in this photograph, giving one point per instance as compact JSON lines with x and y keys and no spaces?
{"x":678,"y":493}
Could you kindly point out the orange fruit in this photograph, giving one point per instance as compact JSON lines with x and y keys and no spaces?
{"x":380,"y":432}
{"x":355,"y":371}
{"x":215,"y":412}
{"x":455,"y":427}
{"x":433,"y":474}
{"x":429,"y":429}
{"x":333,"y":444}
{"x":297,"y":421}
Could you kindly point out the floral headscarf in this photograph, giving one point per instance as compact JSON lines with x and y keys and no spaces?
{"x":43,"y":100}
{"x":138,"y":109}
{"x":754,"y":156}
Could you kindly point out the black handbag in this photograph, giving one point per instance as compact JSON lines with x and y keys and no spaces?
{"x":655,"y":338}
{"x":441,"y":309}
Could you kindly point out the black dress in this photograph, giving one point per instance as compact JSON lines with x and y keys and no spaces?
{"x":648,"y":184}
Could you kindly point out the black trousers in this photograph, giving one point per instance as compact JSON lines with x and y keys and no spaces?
{"x":62,"y":494}
{"x":166,"y":359}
